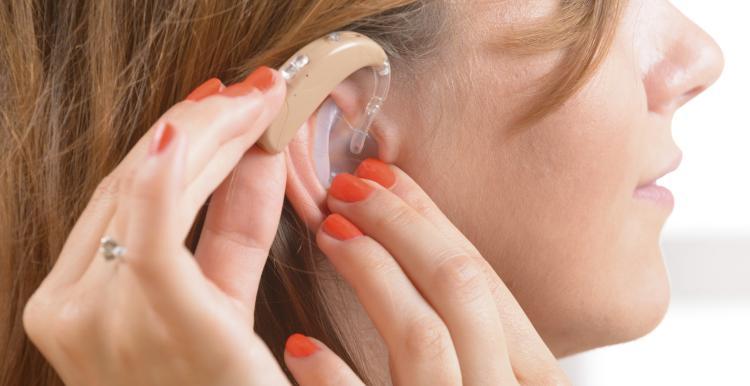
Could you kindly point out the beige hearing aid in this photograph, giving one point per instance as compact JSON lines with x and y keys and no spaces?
{"x":314,"y":71}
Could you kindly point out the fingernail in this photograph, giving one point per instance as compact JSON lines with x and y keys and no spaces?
{"x":261,"y":79}
{"x":207,"y":88}
{"x":340,"y":228}
{"x":376,"y":170}
{"x":349,"y":188}
{"x":162,"y":138}
{"x":300,"y":346}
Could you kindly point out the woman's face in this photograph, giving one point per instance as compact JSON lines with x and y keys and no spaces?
{"x":559,"y":209}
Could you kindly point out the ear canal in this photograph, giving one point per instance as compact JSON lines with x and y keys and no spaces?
{"x":331,"y":146}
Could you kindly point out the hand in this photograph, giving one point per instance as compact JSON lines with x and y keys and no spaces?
{"x":158,"y":315}
{"x":444,"y":314}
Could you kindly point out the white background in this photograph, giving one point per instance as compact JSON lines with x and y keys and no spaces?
{"x":705,"y":337}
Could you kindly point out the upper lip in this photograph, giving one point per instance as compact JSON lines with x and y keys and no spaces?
{"x":672,"y":166}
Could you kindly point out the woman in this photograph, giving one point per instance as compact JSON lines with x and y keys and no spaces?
{"x":538,"y":128}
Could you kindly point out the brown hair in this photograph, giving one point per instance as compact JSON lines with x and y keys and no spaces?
{"x":83,"y":80}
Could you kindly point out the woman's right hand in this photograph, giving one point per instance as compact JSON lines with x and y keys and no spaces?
{"x":445,"y":315}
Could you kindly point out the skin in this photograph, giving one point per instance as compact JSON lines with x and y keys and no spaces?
{"x":579,"y":252}
{"x":188,"y":320}
{"x":566,"y":233}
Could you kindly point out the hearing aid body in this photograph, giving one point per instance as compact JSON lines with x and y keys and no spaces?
{"x":311,"y":74}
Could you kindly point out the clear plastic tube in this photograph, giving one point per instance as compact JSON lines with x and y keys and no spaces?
{"x":382,"y":83}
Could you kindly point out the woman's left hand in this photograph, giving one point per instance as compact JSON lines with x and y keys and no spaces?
{"x":158,"y":314}
{"x":443,"y":312}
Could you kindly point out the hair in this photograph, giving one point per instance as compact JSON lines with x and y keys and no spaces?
{"x":83,"y":80}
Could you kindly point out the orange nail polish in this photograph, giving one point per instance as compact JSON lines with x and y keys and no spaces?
{"x":237,"y":89}
{"x":207,"y":88}
{"x":261,"y":79}
{"x":349,"y":188}
{"x":162,"y":138}
{"x":340,"y":228}
{"x":300,"y":346}
{"x":376,"y":170}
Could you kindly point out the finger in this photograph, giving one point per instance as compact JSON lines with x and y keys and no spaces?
{"x":182,"y":119}
{"x":101,"y":206}
{"x":207,"y":88}
{"x":527,"y":349}
{"x":419,"y":344}
{"x":82,"y":244}
{"x":314,"y":364}
{"x":208,"y":125}
{"x":447,"y":276}
{"x":226,"y":157}
{"x":155,"y":255}
{"x":241,"y":222}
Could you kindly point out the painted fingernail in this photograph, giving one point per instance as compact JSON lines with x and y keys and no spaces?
{"x":340,"y":228}
{"x":261,"y":79}
{"x":162,"y":138}
{"x":349,"y":188}
{"x":207,"y":88}
{"x":376,"y":170}
{"x":300,"y":346}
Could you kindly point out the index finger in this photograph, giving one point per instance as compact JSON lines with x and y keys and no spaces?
{"x":526,"y":348}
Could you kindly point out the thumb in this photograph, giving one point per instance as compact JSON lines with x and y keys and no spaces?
{"x":241,"y":222}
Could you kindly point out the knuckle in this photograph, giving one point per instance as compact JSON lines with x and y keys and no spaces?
{"x":459,"y":275}
{"x":144,"y":187}
{"x":420,"y":203}
{"x":126,"y":182}
{"x":375,"y":264}
{"x":427,"y":338}
{"x":496,"y":288}
{"x":64,"y":328}
{"x":233,"y":239}
{"x":123,"y":351}
{"x":396,"y":216}
{"x":107,"y":188}
{"x":33,"y":317}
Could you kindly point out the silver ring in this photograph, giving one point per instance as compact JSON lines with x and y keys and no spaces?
{"x":110,"y":249}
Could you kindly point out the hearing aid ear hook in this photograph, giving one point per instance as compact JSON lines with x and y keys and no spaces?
{"x":314,"y":71}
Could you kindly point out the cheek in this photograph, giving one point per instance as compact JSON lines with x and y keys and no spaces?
{"x":571,"y":177}
{"x":553,"y":212}
{"x":552,"y":208}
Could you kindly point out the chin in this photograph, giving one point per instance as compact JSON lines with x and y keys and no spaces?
{"x":645,"y":306}
{"x":617,"y":311}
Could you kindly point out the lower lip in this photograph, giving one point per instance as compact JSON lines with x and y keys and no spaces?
{"x":657,"y":194}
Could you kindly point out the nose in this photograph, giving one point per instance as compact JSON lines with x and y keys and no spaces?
{"x":691,"y":62}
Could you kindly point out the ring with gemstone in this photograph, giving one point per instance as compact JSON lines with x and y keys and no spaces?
{"x":110,"y":249}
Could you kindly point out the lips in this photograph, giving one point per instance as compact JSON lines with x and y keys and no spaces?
{"x":672,"y":166}
{"x":652,"y":192}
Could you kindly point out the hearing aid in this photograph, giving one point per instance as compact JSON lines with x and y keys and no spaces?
{"x":311,"y":74}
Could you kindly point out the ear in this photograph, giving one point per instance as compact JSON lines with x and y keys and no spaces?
{"x":303,"y":189}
